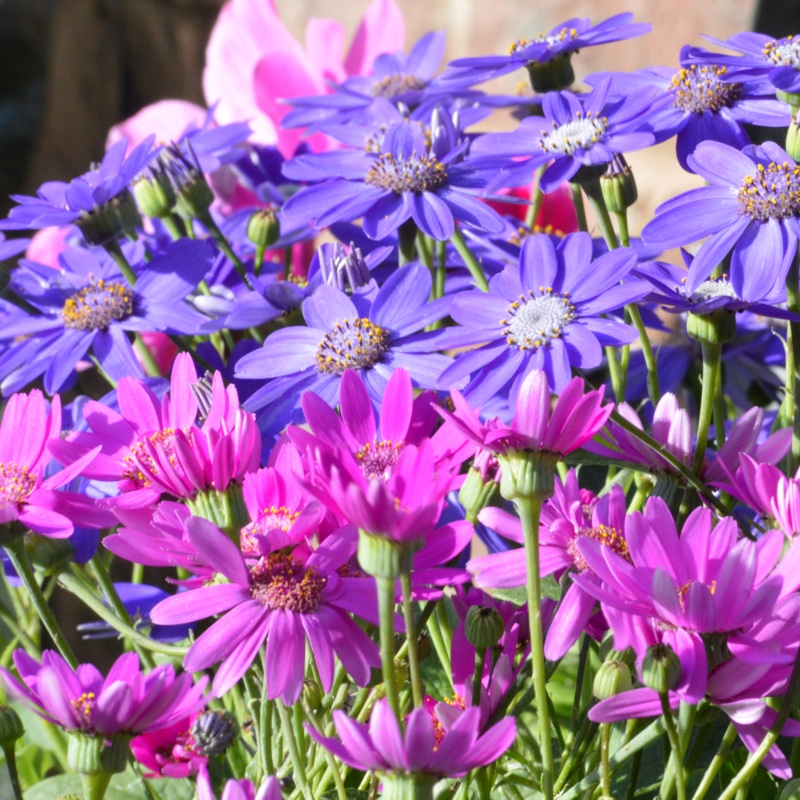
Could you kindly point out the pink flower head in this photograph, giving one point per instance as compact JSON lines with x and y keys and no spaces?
{"x":28,"y":432}
{"x":238,"y":790}
{"x":154,"y":447}
{"x":167,"y":119}
{"x":168,"y":752}
{"x":382,"y":747}
{"x":767,"y":490}
{"x":127,"y":701}
{"x":253,"y":62}
{"x":283,"y":598}
{"x":575,"y":418}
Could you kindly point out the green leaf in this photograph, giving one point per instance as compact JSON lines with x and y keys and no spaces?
{"x":125,"y":786}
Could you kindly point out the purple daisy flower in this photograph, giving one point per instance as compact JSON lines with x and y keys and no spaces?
{"x":560,"y":43}
{"x":373,"y":336}
{"x":89,"y":306}
{"x":12,"y":247}
{"x":580,"y":131}
{"x":284,"y":599}
{"x":80,"y":201}
{"x":750,"y":209}
{"x":543,"y":313}
{"x":408,"y":179}
{"x":699,"y":102}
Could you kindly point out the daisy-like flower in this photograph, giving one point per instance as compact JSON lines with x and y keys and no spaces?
{"x":238,"y":790}
{"x":12,"y":247}
{"x":98,"y":202}
{"x":88,"y":306}
{"x":409,"y":178}
{"x":544,"y":313}
{"x":580,"y":131}
{"x":750,"y":209}
{"x":28,"y":497}
{"x":557,"y":45}
{"x":126,"y":701}
{"x":284,"y":599}
{"x":416,"y":756}
{"x":371,"y":335}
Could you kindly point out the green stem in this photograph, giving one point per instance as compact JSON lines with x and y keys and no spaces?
{"x":711,"y":367}
{"x":536,"y":200}
{"x":441,"y":270}
{"x":622,"y":226}
{"x":386,"y":616}
{"x":411,"y":638}
{"x":580,"y":209}
{"x":289,"y":739}
{"x":529,"y":510}
{"x":653,"y":388}
{"x":634,"y":776}
{"x":603,"y":217}
{"x":605,"y":772}
{"x":11,"y":762}
{"x":258,"y":261}
{"x":675,"y":744}
{"x":793,"y":374}
{"x":115,"y":251}
{"x":469,"y":259}
{"x":719,"y":413}
{"x":333,"y":767}
{"x":174,"y":226}
{"x":95,"y":786}
{"x":716,"y":763}
{"x":477,"y":677}
{"x":224,"y":245}
{"x":21,"y":563}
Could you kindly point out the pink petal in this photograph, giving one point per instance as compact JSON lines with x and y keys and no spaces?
{"x":382,"y":30}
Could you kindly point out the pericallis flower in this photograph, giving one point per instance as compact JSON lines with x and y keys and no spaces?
{"x":558,"y":45}
{"x":410,"y":178}
{"x":416,"y":757}
{"x":127,"y":701}
{"x":168,"y":752}
{"x":98,"y":202}
{"x":88,"y":306}
{"x":575,"y":132}
{"x":750,"y":209}
{"x":26,"y":496}
{"x":699,"y":102}
{"x":284,"y":598}
{"x":373,"y":336}
{"x":543,"y":313}
{"x":12,"y":247}
{"x":238,"y":790}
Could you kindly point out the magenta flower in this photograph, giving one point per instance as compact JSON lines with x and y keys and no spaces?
{"x":168,"y":752}
{"x":284,"y":599}
{"x":28,"y":432}
{"x":239,"y":790}
{"x":127,"y":701}
{"x":767,"y":490}
{"x":382,"y":747}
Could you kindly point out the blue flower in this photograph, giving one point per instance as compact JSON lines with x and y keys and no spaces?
{"x":542,"y":313}
{"x":750,"y":210}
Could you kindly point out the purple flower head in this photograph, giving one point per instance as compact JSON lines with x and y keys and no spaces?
{"x":88,"y":306}
{"x":410,"y":178}
{"x":28,"y":497}
{"x":126,"y":701}
{"x":238,"y":790}
{"x":543,"y":313}
{"x":699,"y":102}
{"x":750,"y":209}
{"x":169,"y":752}
{"x":576,"y":131}
{"x":760,"y":57}
{"x":12,"y":247}
{"x":561,"y":42}
{"x":382,"y":747}
{"x":283,"y":598}
{"x":373,"y":335}
{"x":58,"y":203}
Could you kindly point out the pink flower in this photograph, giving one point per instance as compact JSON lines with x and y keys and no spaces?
{"x":168,"y":752}
{"x":253,"y":61}
{"x":28,"y":432}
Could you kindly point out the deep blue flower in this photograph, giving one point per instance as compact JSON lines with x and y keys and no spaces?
{"x":699,"y":102}
{"x":542,"y":313}
{"x":12,"y":247}
{"x":561,"y":42}
{"x":760,"y":56}
{"x":371,"y":335}
{"x":409,"y":179}
{"x":88,"y":306}
{"x":750,"y":209}
{"x":59,"y":203}
{"x":575,"y":132}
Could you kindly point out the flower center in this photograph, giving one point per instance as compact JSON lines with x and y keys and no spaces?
{"x":393,"y":85}
{"x":713,"y":287}
{"x":84,"y":705}
{"x":577,"y":134}
{"x":140,"y":459}
{"x":283,"y":582}
{"x":272,"y":519}
{"x":378,"y":459}
{"x":551,"y":41}
{"x":415,"y":174}
{"x":701,"y":89}
{"x":439,"y":731}
{"x":97,"y":305}
{"x":16,"y":484}
{"x":773,"y":192}
{"x":352,"y":344}
{"x":608,"y":537}
{"x":783,"y":52}
{"x":536,"y":321}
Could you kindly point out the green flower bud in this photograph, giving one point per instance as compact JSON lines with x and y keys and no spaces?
{"x":483,"y":626}
{"x":613,"y":678}
{"x":790,"y":790}
{"x":226,"y":509}
{"x":11,"y":727}
{"x":715,"y":328}
{"x":793,"y":137}
{"x":95,"y":755}
{"x":476,"y":494}
{"x":661,"y":668}
{"x":110,"y":220}
{"x":52,"y":556}
{"x":385,"y":558}
{"x":792,"y":99}
{"x":312,"y":694}
{"x":424,"y":646}
{"x":264,"y":228}
{"x":618,"y":185}
{"x":527,"y":473}
{"x":551,"y":76}
{"x":154,"y":193}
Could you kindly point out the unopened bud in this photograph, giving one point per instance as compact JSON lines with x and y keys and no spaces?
{"x":11,"y":727}
{"x":613,"y":678}
{"x":618,"y":185}
{"x":661,"y":668}
{"x":263,"y":228}
{"x":483,"y":626}
{"x":214,"y":732}
{"x":154,"y":193}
